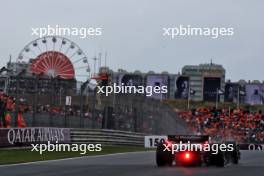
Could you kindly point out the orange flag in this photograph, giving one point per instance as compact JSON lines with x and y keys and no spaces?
{"x":20,"y":121}
{"x":8,"y":120}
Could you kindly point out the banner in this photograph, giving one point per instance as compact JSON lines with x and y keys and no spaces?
{"x":251,"y":146}
{"x":157,"y":80}
{"x":182,"y":87}
{"x":153,"y":141}
{"x":231,"y":92}
{"x":68,"y":101}
{"x":254,"y":94}
{"x":10,"y":137}
{"x":211,"y":84}
{"x":130,"y":80}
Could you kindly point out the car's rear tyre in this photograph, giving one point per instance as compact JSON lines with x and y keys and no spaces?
{"x":220,"y":159}
{"x":163,"y":158}
{"x":235,"y":160}
{"x":235,"y":154}
{"x":199,"y":163}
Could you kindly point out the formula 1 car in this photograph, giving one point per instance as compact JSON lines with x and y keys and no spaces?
{"x":200,"y":152}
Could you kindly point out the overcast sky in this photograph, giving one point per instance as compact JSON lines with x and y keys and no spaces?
{"x":132,"y":32}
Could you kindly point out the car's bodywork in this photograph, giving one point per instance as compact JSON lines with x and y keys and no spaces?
{"x":195,"y":157}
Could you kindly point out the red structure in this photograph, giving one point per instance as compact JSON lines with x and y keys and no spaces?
{"x":53,"y":63}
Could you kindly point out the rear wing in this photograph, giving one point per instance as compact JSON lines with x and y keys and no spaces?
{"x":189,"y":138}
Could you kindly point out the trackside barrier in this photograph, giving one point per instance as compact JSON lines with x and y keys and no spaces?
{"x":13,"y":137}
{"x":152,"y":141}
{"x":18,"y":137}
{"x":251,"y":146}
{"x":107,"y":137}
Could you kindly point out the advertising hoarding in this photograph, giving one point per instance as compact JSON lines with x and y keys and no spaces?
{"x":158,"y":80}
{"x":27,"y":136}
{"x":231,"y":92}
{"x":130,"y":80}
{"x":254,"y":94}
{"x":182,"y":87}
{"x":211,"y":85}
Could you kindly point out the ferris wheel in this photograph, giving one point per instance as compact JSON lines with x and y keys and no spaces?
{"x":55,"y":56}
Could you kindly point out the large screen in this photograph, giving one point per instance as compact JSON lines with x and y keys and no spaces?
{"x":254,"y":94}
{"x":182,"y":87}
{"x":131,"y":80}
{"x":231,"y":90}
{"x":158,"y":80}
{"x":211,"y":85}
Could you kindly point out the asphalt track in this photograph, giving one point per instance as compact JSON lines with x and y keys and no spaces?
{"x":133,"y":164}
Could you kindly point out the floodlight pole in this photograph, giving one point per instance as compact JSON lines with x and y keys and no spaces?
{"x":81,"y":101}
{"x":81,"y":106}
{"x":16,"y":100}
{"x":51,"y":101}
{"x":93,"y":109}
{"x":216,"y":102}
{"x":35,"y":100}
{"x":189,"y":97}
{"x":238,"y":97}
{"x":17,"y":77}
{"x":65,"y":105}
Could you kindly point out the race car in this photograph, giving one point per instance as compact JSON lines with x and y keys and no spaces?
{"x":203,"y":154}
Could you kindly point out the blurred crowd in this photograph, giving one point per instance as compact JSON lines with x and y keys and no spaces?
{"x":7,"y":112}
{"x":221,"y":124}
{"x":226,"y":124}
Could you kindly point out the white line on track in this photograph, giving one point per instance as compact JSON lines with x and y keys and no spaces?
{"x":73,"y":158}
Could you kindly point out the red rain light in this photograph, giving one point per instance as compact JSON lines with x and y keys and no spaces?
{"x":187,"y":156}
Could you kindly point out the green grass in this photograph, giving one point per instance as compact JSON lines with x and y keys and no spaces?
{"x":12,"y":156}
